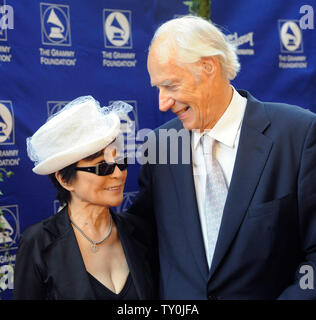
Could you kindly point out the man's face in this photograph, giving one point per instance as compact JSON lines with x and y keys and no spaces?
{"x":185,"y":90}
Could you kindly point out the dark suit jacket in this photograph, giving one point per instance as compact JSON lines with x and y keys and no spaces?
{"x":49,"y":264}
{"x":268,"y":228}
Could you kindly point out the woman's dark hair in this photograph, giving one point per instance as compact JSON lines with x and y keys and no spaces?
{"x":68,"y":174}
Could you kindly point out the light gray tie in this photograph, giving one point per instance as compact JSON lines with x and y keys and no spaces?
{"x":215,"y":194}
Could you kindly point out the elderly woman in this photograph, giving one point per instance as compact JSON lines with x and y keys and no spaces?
{"x":86,"y":251}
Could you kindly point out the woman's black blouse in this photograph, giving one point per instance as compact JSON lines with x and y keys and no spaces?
{"x":103,"y":293}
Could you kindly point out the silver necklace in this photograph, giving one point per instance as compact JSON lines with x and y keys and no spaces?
{"x":94,"y":243}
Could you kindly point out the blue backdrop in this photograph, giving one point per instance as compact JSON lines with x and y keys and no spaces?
{"x":62,"y":49}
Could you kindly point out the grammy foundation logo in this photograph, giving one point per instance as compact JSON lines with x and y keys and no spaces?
{"x":55,"y":24}
{"x":117,"y":28}
{"x":290,"y":36}
{"x":10,"y":234}
{"x":6,"y":123}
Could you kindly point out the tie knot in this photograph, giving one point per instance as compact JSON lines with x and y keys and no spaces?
{"x":208,"y":144}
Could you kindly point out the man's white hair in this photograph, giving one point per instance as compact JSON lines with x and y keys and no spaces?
{"x":194,"y":38}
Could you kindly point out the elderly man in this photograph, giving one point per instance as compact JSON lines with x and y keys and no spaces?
{"x":238,"y":221}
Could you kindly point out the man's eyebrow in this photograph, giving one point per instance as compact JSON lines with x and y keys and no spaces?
{"x":163,"y":83}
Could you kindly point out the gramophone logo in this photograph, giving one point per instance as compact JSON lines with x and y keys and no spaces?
{"x":6,"y":123}
{"x":291,"y":39}
{"x":10,"y":235}
{"x":128,"y":199}
{"x":117,"y":29}
{"x":55,"y":24}
{"x":54,"y":107}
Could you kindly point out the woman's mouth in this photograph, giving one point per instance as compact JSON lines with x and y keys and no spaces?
{"x":114,"y":188}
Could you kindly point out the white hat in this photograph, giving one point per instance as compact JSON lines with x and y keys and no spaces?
{"x":79,"y":130}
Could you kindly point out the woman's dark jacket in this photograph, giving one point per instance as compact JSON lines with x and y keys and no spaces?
{"x":49,"y":264}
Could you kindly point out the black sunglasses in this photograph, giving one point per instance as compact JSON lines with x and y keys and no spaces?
{"x":105,"y":168}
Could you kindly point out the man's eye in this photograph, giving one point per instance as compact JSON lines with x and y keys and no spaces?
{"x":167,"y":87}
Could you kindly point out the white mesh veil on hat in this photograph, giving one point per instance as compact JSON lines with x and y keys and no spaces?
{"x":79,"y":130}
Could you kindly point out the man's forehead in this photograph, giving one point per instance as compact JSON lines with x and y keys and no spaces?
{"x":164,"y":74}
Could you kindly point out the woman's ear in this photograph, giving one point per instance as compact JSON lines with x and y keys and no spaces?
{"x":62,"y":182}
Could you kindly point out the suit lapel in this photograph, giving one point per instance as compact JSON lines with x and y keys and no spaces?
{"x":135,"y":253}
{"x":189,"y":215}
{"x":64,"y":261}
{"x":183,"y":178}
{"x":252,"y":154}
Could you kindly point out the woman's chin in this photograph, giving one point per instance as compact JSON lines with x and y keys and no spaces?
{"x":115,"y":202}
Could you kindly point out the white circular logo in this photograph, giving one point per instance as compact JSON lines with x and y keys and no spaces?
{"x":291,"y":35}
{"x":6,"y":123}
{"x":55,"y":24}
{"x":56,"y":108}
{"x":117,"y":28}
{"x":9,"y":233}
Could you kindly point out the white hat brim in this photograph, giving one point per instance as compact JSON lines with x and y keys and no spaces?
{"x":66,"y":158}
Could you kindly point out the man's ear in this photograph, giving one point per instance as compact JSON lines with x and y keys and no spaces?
{"x":209,"y":65}
{"x":62,"y":182}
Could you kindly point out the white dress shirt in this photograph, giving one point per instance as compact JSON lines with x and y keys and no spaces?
{"x":226,"y":132}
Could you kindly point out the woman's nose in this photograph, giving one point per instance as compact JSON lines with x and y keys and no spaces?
{"x":117,"y":173}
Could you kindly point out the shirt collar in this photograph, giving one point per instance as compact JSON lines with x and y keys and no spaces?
{"x":227,"y":127}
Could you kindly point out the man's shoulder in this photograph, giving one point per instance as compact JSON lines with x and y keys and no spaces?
{"x":285,"y":110}
{"x":278,"y":111}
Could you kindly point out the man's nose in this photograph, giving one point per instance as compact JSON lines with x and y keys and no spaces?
{"x":165,"y":101}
